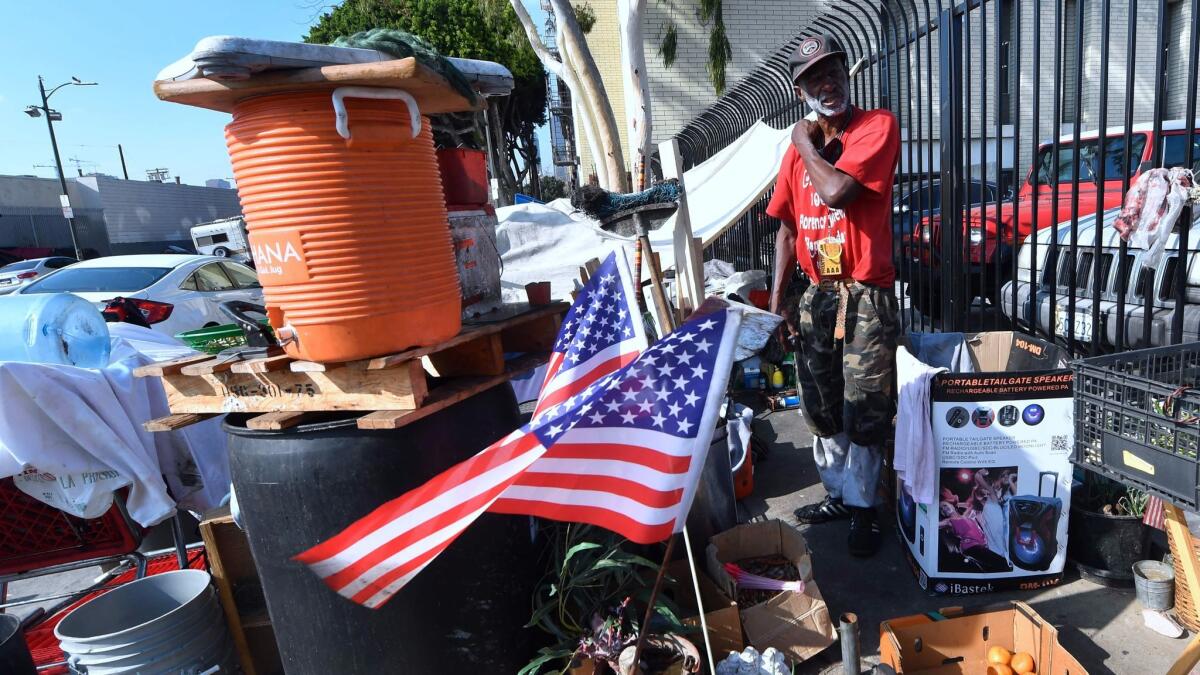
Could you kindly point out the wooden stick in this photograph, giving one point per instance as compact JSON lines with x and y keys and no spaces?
{"x":275,"y":421}
{"x":660,"y":301}
{"x":1190,"y":656}
{"x":1177,"y":527}
{"x":658,"y":582}
{"x":689,"y":265}
{"x":177,"y":421}
{"x":662,"y":309}
{"x":691,"y":558}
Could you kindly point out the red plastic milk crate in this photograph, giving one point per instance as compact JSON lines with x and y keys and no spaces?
{"x":34,"y":535}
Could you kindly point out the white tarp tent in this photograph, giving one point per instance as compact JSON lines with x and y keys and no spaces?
{"x":549,"y":242}
{"x":722,"y":188}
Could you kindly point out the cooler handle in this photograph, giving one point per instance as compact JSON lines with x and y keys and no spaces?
{"x":238,"y":311}
{"x":343,"y":119}
{"x":1044,"y":474}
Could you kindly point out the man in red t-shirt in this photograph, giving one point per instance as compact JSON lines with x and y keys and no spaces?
{"x":834,"y":197}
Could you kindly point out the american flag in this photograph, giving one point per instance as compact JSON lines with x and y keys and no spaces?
{"x":640,"y":461}
{"x":1155,"y":514}
{"x":601,"y":333}
{"x":626,"y":453}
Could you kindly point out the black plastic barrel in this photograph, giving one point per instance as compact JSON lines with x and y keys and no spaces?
{"x":14,"y":652}
{"x":464,"y":613}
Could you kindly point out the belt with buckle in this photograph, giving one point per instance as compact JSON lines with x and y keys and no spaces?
{"x":842,"y":285}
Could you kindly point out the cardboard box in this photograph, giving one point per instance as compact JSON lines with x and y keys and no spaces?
{"x":796,"y":624}
{"x":1003,"y":437}
{"x":720,"y":613}
{"x":960,"y":642}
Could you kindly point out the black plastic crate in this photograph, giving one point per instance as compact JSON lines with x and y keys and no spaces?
{"x":1137,"y":419}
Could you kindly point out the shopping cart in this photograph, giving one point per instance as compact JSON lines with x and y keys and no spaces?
{"x":37,"y":539}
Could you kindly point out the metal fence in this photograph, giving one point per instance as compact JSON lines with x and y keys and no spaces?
{"x":1024,"y":123}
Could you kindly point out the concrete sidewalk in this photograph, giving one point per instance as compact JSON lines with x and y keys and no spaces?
{"x":1102,"y":627}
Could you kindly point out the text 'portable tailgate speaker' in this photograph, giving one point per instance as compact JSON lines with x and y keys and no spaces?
{"x":1033,"y":527}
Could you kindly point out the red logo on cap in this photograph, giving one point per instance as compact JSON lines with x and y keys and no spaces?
{"x":809,"y":47}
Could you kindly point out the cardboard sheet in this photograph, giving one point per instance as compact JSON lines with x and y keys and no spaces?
{"x":796,"y":624}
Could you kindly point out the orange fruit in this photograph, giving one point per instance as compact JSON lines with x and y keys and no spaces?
{"x":999,"y":655}
{"x":999,"y":669}
{"x":1022,"y":662}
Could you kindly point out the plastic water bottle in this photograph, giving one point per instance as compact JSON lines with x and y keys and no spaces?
{"x":55,"y":328}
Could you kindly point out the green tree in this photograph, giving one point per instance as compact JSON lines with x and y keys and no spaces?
{"x":553,"y":188}
{"x":471,"y":29}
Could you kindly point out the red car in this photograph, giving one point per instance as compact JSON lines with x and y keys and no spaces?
{"x":991,"y":244}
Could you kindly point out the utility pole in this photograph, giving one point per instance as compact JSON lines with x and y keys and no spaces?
{"x":62,"y":177}
{"x":51,"y":115}
{"x":121,"y":151}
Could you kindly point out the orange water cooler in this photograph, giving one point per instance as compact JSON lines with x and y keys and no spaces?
{"x":346,"y":219}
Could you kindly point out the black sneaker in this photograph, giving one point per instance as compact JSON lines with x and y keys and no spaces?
{"x":824,"y":512}
{"x":865,"y":536}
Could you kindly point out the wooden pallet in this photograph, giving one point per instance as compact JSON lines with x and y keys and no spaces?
{"x":392,"y":390}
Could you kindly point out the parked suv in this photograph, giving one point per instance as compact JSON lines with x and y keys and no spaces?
{"x":924,"y":199}
{"x":1054,"y":270}
{"x":991,"y":239}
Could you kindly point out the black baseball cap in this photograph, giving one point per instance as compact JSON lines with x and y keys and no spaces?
{"x":813,"y":50}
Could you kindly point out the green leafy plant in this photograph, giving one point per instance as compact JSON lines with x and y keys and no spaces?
{"x":585,"y":16}
{"x":589,"y":596}
{"x":719,"y":49}
{"x":611,"y":634}
{"x":669,"y":45}
{"x":1133,"y":503}
{"x":1104,"y":495}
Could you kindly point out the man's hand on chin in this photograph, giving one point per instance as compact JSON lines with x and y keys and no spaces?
{"x":807,"y":132}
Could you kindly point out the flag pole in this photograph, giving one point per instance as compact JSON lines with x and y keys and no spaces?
{"x":687,"y":543}
{"x":667,"y":320}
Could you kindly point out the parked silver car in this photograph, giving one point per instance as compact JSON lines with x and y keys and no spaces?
{"x":16,"y":275}
{"x":1133,"y":282}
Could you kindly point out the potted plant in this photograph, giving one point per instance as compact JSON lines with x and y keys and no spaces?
{"x":1106,"y":531}
{"x":589,"y":603}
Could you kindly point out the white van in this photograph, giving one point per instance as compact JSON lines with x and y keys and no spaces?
{"x":222,"y":238}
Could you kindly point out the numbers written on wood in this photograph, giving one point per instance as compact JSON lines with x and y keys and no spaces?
{"x":265,"y":389}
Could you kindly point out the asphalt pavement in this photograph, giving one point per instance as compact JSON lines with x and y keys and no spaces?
{"x":1101,"y":626}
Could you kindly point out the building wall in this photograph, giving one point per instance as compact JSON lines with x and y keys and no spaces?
{"x":755,"y":28}
{"x":604,"y":41}
{"x":112,"y":216}
{"x":146,"y":216}
{"x":31,"y":216}
{"x":679,"y":93}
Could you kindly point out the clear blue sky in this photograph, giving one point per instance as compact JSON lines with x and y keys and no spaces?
{"x":122,"y":46}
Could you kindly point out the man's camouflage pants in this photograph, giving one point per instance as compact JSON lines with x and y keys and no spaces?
{"x":847,"y":385}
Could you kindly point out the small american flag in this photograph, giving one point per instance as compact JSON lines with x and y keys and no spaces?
{"x":1155,"y":514}
{"x":622,"y":446}
{"x":627,"y":452}
{"x":601,"y":333}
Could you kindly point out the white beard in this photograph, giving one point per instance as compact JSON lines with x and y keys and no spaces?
{"x":823,"y":110}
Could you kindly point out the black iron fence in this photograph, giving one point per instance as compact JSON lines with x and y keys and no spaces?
{"x":1024,"y":123}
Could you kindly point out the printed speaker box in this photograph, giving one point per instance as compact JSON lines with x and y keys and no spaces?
{"x":1002,"y":436}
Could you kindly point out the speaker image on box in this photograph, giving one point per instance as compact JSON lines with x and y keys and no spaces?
{"x":1033,"y":527}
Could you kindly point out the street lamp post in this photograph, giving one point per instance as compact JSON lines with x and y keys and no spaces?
{"x":51,"y":116}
